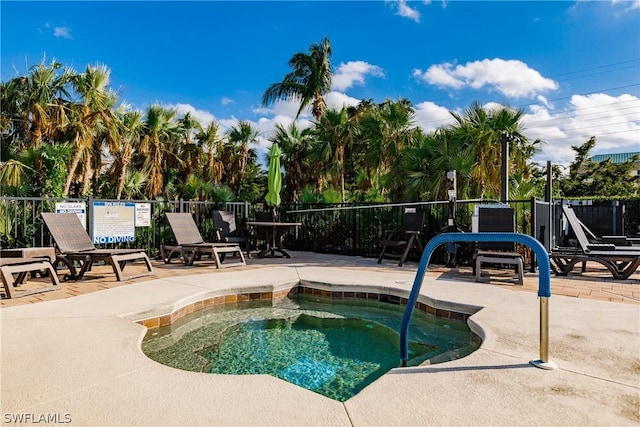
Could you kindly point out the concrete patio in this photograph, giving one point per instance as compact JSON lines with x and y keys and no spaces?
{"x":73,"y":355}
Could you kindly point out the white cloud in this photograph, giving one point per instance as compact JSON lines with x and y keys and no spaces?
{"x":283,"y":108}
{"x":440,"y":75}
{"x":404,"y":10}
{"x":634,"y":4}
{"x":333,"y":99}
{"x":64,"y":32}
{"x":430,"y":116}
{"x":352,"y":72}
{"x":614,"y":121}
{"x":512,"y":78}
{"x":204,"y":117}
{"x":338,"y":100}
{"x":226,"y":101}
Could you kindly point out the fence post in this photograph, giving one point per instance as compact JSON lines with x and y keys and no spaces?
{"x":614,"y":217}
{"x":90,"y":215}
{"x":532,"y":202}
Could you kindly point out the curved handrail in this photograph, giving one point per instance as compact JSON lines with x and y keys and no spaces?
{"x":544,"y":282}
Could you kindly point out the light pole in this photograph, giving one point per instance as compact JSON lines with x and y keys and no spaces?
{"x":504,"y":196}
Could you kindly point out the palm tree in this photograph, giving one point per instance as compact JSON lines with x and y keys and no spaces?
{"x":34,"y":107}
{"x":386,"y":131}
{"x":295,"y":144}
{"x":240,"y":136}
{"x":34,"y":114}
{"x":131,"y":131}
{"x":189,"y":152}
{"x":155,"y":148}
{"x":483,"y":129}
{"x":211,"y":144}
{"x":309,"y":81}
{"x":428,"y":161}
{"x":334,"y":134}
{"x":92,"y":123}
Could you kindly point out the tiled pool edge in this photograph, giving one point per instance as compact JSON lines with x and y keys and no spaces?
{"x":321,"y":290}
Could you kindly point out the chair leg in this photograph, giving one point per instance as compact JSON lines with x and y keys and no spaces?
{"x":407,"y":249}
{"x":381,"y":254}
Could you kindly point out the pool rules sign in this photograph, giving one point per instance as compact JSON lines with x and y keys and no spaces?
{"x":113,"y":222}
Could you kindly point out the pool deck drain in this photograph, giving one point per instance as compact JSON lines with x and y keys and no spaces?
{"x":79,"y":358}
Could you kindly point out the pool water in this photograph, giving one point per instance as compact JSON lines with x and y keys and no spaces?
{"x":332,"y":348}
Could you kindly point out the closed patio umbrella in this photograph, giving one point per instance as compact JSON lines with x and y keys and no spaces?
{"x":274,"y":184}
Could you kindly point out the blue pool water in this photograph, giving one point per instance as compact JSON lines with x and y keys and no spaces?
{"x":332,"y":348}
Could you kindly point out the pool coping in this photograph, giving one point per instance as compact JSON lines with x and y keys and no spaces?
{"x":82,"y":357}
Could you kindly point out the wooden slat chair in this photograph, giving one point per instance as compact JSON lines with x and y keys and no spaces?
{"x":398,"y":243}
{"x":75,"y":246}
{"x":192,"y":246}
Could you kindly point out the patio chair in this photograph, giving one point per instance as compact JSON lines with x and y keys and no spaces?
{"x":497,"y":219}
{"x":75,"y":245}
{"x":621,"y":261}
{"x":226,"y":230}
{"x":398,"y":243}
{"x":22,"y":266}
{"x":192,"y":246}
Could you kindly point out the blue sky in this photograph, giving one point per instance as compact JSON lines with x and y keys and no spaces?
{"x":574,"y":67}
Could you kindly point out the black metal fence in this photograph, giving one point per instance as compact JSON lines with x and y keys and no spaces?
{"x":348,"y":229}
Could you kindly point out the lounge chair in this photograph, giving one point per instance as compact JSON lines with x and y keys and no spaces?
{"x":588,"y":241}
{"x":192,"y":246}
{"x":226,"y":230}
{"x":22,"y":266}
{"x":405,"y":239}
{"x":75,"y":245}
{"x":621,"y":261}
{"x":498,"y":219}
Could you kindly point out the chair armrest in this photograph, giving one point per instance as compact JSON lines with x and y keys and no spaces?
{"x":616,"y":240}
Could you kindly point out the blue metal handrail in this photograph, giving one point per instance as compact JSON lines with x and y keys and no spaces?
{"x":544,"y":284}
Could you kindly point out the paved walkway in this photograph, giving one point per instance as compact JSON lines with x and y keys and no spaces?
{"x":77,"y":357}
{"x":596,"y":284}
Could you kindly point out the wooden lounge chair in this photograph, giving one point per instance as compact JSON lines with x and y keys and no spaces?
{"x":192,"y":246}
{"x":75,"y":245}
{"x":621,"y":261}
{"x":22,"y":266}
{"x":226,"y":230}
{"x":405,"y":239}
{"x":498,"y":219}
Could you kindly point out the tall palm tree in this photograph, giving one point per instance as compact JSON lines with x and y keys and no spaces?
{"x":34,"y":107}
{"x":428,"y":161}
{"x":189,"y":152}
{"x":308,"y":82}
{"x":334,"y":133}
{"x":92,"y":124}
{"x":386,"y":131}
{"x":33,"y":114}
{"x":211,"y":144}
{"x":295,"y":144}
{"x":160,"y":131}
{"x":240,"y":136}
{"x":131,"y":131}
{"x":483,"y":129}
